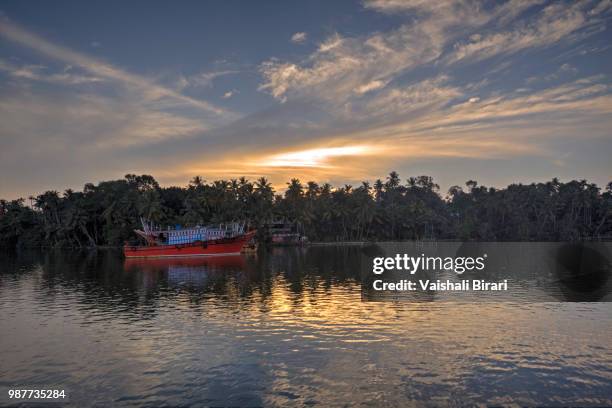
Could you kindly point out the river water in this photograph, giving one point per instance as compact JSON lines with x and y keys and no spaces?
{"x":285,"y":327}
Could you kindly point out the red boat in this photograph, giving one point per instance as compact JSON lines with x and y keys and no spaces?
{"x":196,"y":241}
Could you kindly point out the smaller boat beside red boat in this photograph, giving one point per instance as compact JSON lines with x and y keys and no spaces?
{"x":225,"y":239}
{"x":282,"y":233}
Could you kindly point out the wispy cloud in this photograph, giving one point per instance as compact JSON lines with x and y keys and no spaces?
{"x":19,"y":35}
{"x":564,"y":70}
{"x":371,"y":86}
{"x":299,"y":37}
{"x":430,"y":94}
{"x":39,"y":73}
{"x":552,"y":24}
{"x":343,"y":67}
{"x":205,"y":79}
{"x":229,"y":94}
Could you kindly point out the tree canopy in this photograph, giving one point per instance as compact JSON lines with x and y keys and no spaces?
{"x":106,"y":214}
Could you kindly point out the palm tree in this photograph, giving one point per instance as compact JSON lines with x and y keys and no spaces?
{"x":196,"y":182}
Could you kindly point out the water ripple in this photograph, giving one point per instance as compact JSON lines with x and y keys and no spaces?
{"x":281,"y":330}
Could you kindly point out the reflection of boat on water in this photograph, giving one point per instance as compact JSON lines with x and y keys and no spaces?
{"x":194,"y":272}
{"x":220,"y":262}
{"x":223,"y":240}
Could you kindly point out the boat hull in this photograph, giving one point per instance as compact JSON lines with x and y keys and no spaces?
{"x":218,"y":247}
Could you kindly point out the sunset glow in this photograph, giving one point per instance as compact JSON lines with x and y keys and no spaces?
{"x":318,"y":157}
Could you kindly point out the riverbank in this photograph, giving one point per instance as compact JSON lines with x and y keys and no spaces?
{"x":307,"y":244}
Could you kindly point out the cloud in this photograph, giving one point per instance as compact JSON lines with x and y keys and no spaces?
{"x":343,"y":66}
{"x":205,"y":79}
{"x":74,"y":125}
{"x":69,"y":138}
{"x":430,"y":94}
{"x":451,"y":14}
{"x":563,"y":71}
{"x":455,"y":13}
{"x":152,"y":90}
{"x":229,"y":94}
{"x":439,"y":126}
{"x":370,"y":86}
{"x":103,"y":123}
{"x":181,"y":83}
{"x":434,"y":120}
{"x":383,"y":75}
{"x":39,"y":73}
{"x":568,"y":68}
{"x":553,"y":23}
{"x":299,"y":37}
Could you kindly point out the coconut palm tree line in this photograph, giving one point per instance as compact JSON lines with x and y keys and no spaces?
{"x":391,"y":209}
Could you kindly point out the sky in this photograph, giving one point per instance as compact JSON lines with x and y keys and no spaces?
{"x":344,"y":91}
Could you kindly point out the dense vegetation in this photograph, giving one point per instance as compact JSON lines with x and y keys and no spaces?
{"x":106,"y":214}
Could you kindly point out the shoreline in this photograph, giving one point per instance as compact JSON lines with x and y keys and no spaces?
{"x":308,"y":244}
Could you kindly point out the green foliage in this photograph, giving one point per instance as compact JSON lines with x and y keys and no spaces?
{"x":107,"y":213}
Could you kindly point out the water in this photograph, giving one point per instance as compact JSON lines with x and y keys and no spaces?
{"x":287,"y":327}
